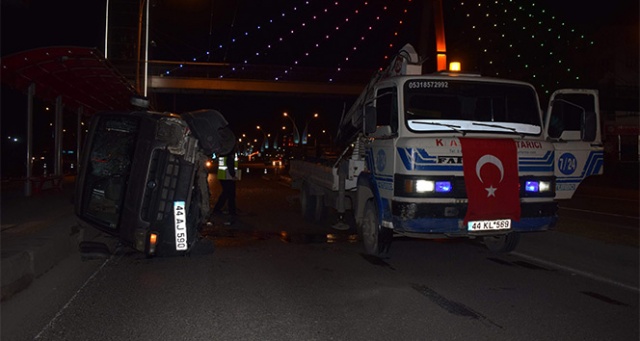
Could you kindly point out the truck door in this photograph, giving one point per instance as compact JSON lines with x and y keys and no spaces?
{"x":383,"y":155}
{"x":573,"y":125}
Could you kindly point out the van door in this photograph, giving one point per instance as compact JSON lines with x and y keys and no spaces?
{"x":573,"y":125}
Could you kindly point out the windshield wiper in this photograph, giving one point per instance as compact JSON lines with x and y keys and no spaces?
{"x":450,"y":126}
{"x":497,"y":126}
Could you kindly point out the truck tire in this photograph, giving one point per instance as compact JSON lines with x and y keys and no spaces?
{"x":502,"y":244}
{"x":311,"y":205}
{"x":376,"y":239}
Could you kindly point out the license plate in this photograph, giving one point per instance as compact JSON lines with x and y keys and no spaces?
{"x":489,"y":225}
{"x":180,"y":225}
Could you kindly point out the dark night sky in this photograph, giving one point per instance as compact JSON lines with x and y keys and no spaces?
{"x":186,"y":29}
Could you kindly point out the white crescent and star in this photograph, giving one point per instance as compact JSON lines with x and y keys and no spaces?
{"x":491,"y":191}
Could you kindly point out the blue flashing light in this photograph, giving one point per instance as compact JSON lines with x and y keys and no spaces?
{"x":532,"y":186}
{"x":443,"y":186}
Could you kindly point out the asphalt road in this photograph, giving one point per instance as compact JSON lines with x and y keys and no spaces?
{"x":272,"y":276}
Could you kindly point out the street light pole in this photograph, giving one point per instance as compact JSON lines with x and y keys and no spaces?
{"x":306,"y":126}
{"x":265,"y":142}
{"x":296,"y":134}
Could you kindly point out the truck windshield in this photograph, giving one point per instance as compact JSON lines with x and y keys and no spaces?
{"x":435,"y":105}
{"x":111,"y":148}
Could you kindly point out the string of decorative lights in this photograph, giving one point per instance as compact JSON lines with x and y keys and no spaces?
{"x":517,"y":38}
{"x":391,"y":47}
{"x":511,"y":37}
{"x":343,"y":25}
{"x":233,"y":40}
{"x":308,"y":52}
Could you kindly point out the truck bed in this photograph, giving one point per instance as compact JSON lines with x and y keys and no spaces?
{"x":316,"y":173}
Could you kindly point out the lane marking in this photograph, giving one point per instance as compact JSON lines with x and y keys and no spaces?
{"x":59,"y":313}
{"x":602,"y":213}
{"x":607,"y":197}
{"x":578,"y":272}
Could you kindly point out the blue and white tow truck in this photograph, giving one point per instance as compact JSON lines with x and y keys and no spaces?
{"x":449,"y":155}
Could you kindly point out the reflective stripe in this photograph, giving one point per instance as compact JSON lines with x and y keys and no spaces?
{"x":222,"y":168}
{"x":223,"y":172}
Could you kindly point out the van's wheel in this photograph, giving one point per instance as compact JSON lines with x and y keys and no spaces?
{"x":311,"y":205}
{"x":376,"y":239}
{"x":502,"y":244}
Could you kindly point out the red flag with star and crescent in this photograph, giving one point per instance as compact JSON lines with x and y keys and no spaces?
{"x":490,"y":168}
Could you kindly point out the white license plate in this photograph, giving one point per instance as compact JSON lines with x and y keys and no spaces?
{"x":489,"y":225}
{"x":180,"y":225}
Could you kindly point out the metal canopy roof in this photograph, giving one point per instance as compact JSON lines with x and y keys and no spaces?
{"x":82,"y":76}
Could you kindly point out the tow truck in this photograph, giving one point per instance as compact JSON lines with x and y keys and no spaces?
{"x":452,"y":155}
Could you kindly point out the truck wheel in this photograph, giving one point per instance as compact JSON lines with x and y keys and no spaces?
{"x":311,"y":205}
{"x":376,"y":239}
{"x":502,"y":244}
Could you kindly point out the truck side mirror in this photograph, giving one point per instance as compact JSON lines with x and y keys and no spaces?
{"x":369,"y":123}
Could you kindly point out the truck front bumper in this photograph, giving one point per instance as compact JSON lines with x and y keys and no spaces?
{"x":447,"y":219}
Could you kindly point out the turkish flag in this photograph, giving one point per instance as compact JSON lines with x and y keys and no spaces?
{"x":490,"y":168}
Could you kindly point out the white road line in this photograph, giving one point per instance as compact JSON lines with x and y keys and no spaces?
{"x":607,"y":197}
{"x":577,"y":272}
{"x":602,"y":213}
{"x":59,"y":313}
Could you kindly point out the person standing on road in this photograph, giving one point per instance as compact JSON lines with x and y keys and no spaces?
{"x":227,"y":175}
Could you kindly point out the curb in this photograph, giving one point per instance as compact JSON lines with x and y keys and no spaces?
{"x":24,"y":260}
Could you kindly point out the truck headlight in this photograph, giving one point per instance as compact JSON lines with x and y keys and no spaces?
{"x":534,"y":186}
{"x":426,"y":186}
{"x":537,"y":187}
{"x":420,"y":186}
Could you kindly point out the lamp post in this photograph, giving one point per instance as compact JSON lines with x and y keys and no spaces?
{"x":265,"y":142}
{"x":306,"y":126}
{"x":296,"y":134}
{"x":275,"y":140}
{"x":240,"y":143}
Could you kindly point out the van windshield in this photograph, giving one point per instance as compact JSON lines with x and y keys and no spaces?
{"x":110,"y":156}
{"x":442,"y":105}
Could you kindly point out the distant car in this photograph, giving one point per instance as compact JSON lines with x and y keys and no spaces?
{"x":143,"y":178}
{"x":276,"y":161}
{"x":273,"y":160}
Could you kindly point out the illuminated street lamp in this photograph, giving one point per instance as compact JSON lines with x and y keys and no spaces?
{"x":306,"y":126}
{"x":275,"y":140}
{"x":265,"y":142}
{"x":296,"y":134}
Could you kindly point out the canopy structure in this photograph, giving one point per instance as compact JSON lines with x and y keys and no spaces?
{"x":77,"y":78}
{"x":81,"y":76}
